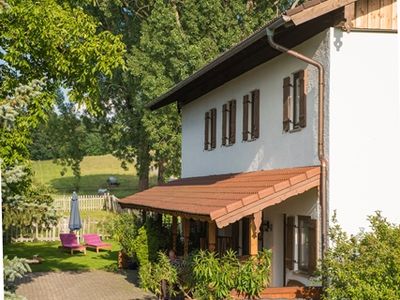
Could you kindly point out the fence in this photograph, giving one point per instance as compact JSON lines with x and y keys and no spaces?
{"x":86,"y":202}
{"x":34,"y":233}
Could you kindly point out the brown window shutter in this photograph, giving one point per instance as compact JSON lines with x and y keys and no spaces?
{"x":245,"y":117}
{"x":255,"y":114}
{"x":232,"y":121}
{"x":312,"y":244}
{"x":286,"y":104}
{"x":206,"y":130}
{"x":213,"y":128}
{"x":224,"y":120}
{"x":303,"y":99}
{"x":289,"y":243}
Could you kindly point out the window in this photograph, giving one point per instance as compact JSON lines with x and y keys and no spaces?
{"x":306,"y":242}
{"x":210,"y":129}
{"x":229,"y":123}
{"x":303,"y":242}
{"x":294,"y":102}
{"x":251,"y":104}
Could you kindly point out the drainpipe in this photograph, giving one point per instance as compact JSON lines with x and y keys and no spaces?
{"x":321,"y":123}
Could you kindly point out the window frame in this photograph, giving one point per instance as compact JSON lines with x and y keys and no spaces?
{"x":303,"y":246}
{"x":210,"y":126}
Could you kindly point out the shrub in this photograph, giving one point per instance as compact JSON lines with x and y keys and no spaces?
{"x":364,"y":266}
{"x":13,"y":269}
{"x":152,"y":274}
{"x":205,"y":275}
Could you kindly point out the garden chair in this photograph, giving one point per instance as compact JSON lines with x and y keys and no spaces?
{"x":70,"y":241}
{"x":94,"y":241}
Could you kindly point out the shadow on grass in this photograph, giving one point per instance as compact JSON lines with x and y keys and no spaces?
{"x":89,"y":184}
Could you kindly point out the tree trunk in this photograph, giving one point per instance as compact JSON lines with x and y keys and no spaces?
{"x":143,"y":165}
{"x":161,"y":172}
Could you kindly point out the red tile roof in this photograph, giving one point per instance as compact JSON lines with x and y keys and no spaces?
{"x":225,"y":198}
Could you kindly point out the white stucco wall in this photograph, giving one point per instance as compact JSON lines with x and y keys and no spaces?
{"x":274,"y":148}
{"x":364,"y":127}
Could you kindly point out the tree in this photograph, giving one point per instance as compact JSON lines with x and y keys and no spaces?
{"x":166,"y":41}
{"x":37,"y":58}
{"x":364,"y":266}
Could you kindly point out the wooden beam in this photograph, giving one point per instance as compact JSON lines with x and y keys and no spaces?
{"x":186,"y":233}
{"x":349,"y":15}
{"x":254,"y":230}
{"x":212,"y":236}
{"x":315,"y":11}
{"x":174,"y":228}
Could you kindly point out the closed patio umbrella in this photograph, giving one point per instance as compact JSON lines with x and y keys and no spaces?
{"x":74,"y":217}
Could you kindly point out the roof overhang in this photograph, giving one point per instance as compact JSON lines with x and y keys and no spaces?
{"x":292,"y":28}
{"x":226,"y":198}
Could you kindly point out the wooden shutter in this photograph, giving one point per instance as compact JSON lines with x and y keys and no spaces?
{"x":224,"y":120}
{"x":245,"y":117}
{"x":255,"y":114}
{"x":206,"y":130}
{"x":232,"y":122}
{"x":286,"y":104}
{"x":289,"y":243}
{"x":312,"y":246}
{"x":303,"y":99}
{"x":213,"y":128}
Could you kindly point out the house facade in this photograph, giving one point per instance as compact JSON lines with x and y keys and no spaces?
{"x":251,"y":130}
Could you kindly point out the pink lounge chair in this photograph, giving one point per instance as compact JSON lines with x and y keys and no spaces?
{"x":94,"y":241}
{"x":69,"y":241}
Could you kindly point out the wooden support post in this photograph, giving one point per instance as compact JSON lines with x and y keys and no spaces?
{"x":254,"y":230}
{"x":186,"y":233}
{"x":174,"y":228}
{"x":212,"y":235}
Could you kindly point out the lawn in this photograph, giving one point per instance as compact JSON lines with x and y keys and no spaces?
{"x":59,"y":260}
{"x":94,"y":173}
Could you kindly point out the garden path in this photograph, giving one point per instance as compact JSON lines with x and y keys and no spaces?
{"x":83,"y":285}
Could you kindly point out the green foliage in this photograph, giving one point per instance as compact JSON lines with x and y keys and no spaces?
{"x":13,"y":269}
{"x":67,"y":48}
{"x":205,"y":275}
{"x":123,"y":228}
{"x":254,"y":275}
{"x":214,"y":277}
{"x":364,"y":266}
{"x":152,"y":274}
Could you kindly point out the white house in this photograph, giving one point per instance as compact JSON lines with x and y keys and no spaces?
{"x":275,"y":140}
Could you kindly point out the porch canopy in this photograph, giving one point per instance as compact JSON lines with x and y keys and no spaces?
{"x":225,"y":199}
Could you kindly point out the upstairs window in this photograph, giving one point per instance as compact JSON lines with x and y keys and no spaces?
{"x":294,"y":102}
{"x":251,"y":116}
{"x":210,"y":129}
{"x":229,"y":123}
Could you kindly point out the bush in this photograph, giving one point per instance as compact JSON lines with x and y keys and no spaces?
{"x":365,"y":266}
{"x":13,"y":269}
{"x":152,"y":274}
{"x":204,"y":275}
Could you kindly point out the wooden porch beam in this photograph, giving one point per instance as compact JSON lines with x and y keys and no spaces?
{"x":174,"y":228}
{"x":254,"y":230}
{"x":186,"y":233}
{"x":212,"y":236}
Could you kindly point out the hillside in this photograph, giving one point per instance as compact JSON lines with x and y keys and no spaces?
{"x":94,"y":171}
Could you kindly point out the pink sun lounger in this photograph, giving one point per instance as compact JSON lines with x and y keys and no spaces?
{"x":94,"y":241}
{"x":69,"y":241}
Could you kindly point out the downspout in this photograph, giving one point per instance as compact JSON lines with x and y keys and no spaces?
{"x":321,"y":123}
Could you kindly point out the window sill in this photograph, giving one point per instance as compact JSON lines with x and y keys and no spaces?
{"x":250,"y":140}
{"x":228,"y":145}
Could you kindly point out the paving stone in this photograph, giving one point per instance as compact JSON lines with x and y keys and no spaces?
{"x":82,"y":285}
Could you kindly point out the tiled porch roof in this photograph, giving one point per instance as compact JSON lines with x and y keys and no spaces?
{"x":225,"y":198}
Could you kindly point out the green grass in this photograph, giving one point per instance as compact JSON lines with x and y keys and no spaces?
{"x":56,"y":259}
{"x":94,"y":173}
